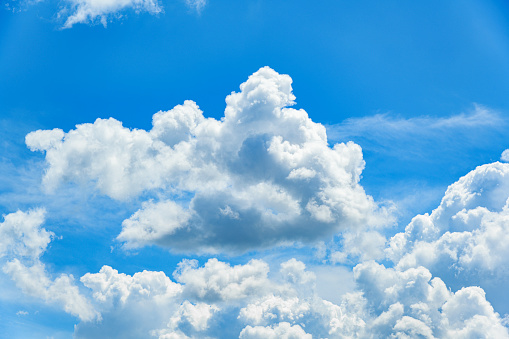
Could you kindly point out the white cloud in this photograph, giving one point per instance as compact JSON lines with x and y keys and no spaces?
{"x":469,"y":315}
{"x":131,"y":306}
{"x":409,"y":303}
{"x":282,"y":330}
{"x":359,"y":246}
{"x":91,"y":11}
{"x":264,"y":175}
{"x":386,"y":127}
{"x":152,"y":222}
{"x":217,"y":281}
{"x":272,"y":307}
{"x":21,"y":234}
{"x":505,"y":155}
{"x":196,"y":5}
{"x":258,"y":177}
{"x":388,"y":301}
{"x":112,"y":288}
{"x":468,"y":231}
{"x":197,"y":315}
{"x":34,"y":281}
{"x":22,"y":242}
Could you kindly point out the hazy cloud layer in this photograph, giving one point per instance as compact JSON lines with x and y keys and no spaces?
{"x":263,"y":175}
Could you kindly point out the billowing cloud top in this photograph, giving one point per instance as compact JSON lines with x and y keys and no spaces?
{"x":262,"y":175}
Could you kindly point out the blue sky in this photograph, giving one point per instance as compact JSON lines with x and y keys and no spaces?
{"x":314,"y":168}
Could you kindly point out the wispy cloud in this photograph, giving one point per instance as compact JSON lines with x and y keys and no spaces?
{"x":102,"y":12}
{"x":390,"y":132}
{"x":196,"y":5}
{"x":91,"y":11}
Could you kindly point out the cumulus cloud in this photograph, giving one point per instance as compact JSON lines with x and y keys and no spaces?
{"x":131,"y":306}
{"x":388,"y":301}
{"x":21,"y":234}
{"x":282,"y":330}
{"x":408,"y":303}
{"x":468,"y":231}
{"x":91,"y":11}
{"x":359,"y":246}
{"x":263,"y":175}
{"x":218,"y":281}
{"x":22,"y":242}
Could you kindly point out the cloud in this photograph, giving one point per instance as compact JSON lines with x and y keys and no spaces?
{"x":218,"y":281}
{"x":386,"y":128}
{"x":282,"y":330}
{"x":112,"y":288}
{"x":263,"y":175}
{"x":22,"y":242}
{"x":22,"y":236}
{"x":395,"y":301}
{"x":34,"y":281}
{"x":465,"y":140}
{"x":196,"y":5}
{"x":388,"y":301}
{"x":505,"y":155}
{"x":91,"y":11}
{"x":409,"y":303}
{"x":131,"y":305}
{"x":359,"y":246}
{"x":468,"y":231}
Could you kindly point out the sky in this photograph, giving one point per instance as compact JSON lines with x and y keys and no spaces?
{"x":254,"y":169}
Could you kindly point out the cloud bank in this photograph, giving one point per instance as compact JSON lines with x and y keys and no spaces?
{"x":261,"y":176}
{"x":264,"y":175}
{"x":388,"y":301}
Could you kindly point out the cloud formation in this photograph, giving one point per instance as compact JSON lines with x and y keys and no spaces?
{"x":402,"y":301}
{"x":468,"y":231}
{"x":388,"y":301}
{"x":264,"y":175}
{"x":261,"y":176}
{"x":22,"y":242}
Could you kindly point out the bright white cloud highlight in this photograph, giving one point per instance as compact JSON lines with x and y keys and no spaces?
{"x":261,"y":176}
